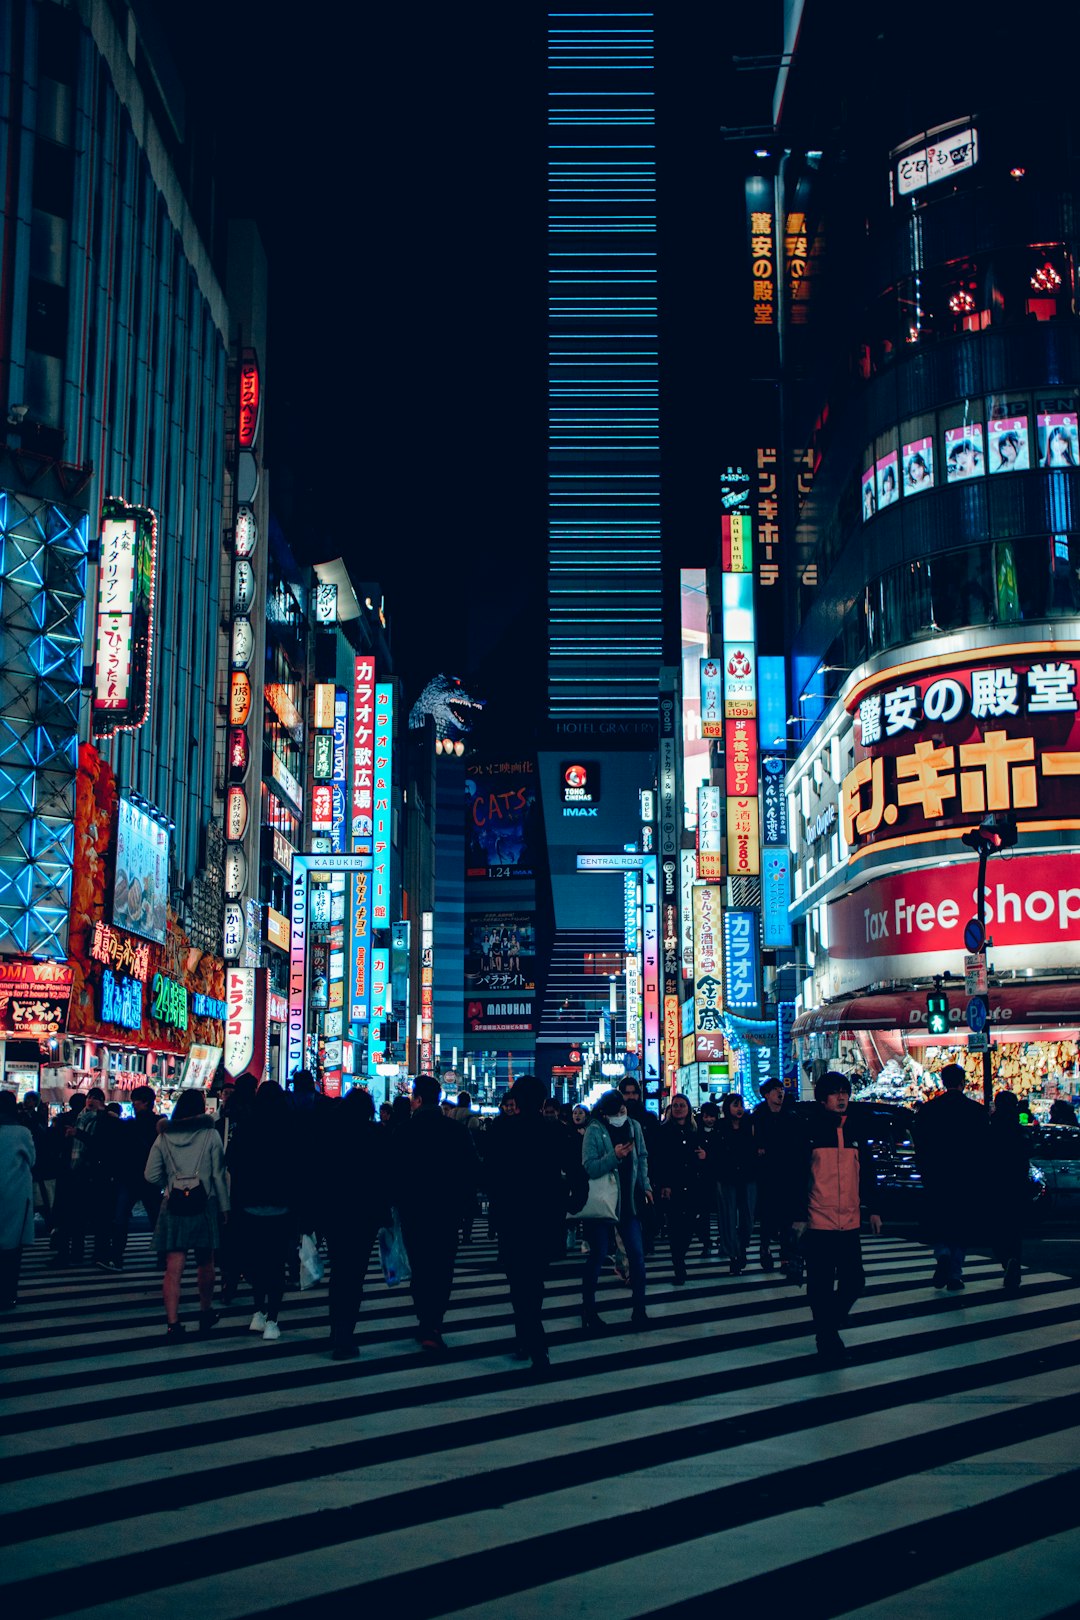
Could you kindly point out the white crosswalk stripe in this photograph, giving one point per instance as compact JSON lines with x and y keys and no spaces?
{"x":709,"y":1461}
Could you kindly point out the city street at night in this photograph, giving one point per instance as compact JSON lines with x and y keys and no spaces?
{"x":706,"y":1466}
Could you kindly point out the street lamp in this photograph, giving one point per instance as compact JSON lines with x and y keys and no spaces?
{"x":993,"y":834}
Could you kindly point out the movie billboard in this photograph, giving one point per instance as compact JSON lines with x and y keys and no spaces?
{"x":500,"y":952}
{"x":141,"y":887}
{"x":500,"y":803}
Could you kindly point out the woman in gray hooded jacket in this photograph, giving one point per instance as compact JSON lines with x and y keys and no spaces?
{"x":188,"y":1156}
{"x":615,"y":1143}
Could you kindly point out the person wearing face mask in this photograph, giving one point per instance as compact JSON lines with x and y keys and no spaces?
{"x":614,"y":1142}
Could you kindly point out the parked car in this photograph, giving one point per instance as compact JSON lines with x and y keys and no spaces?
{"x":1055,"y":1155}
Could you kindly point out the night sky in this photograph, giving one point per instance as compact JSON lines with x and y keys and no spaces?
{"x":395,"y":163}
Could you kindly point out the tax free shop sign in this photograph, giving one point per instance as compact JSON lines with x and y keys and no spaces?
{"x":910,"y":925}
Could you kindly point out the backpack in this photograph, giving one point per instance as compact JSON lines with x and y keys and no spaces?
{"x":186,"y":1194}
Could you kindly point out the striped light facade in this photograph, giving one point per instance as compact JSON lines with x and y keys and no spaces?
{"x":604,"y":565}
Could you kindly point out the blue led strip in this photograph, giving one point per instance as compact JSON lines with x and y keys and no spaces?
{"x":604,"y":555}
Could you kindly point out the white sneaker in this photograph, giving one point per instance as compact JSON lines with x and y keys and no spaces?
{"x":258,"y":1322}
{"x":271,"y":1331}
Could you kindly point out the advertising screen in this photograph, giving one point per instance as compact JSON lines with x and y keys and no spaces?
{"x":500,"y":952}
{"x":141,"y":886}
{"x":869,"y":494}
{"x":964,"y":453}
{"x":1058,"y":441}
{"x":499,"y":805}
{"x":888,"y":480}
{"x":918,"y":466}
{"x":1008,"y":444}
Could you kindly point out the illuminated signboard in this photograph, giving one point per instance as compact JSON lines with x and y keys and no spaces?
{"x":759,"y":211}
{"x":208,"y":1006}
{"x":580,"y":782}
{"x":325,"y":603}
{"x":239,"y":1019}
{"x":297,"y":964}
{"x":125,"y":618}
{"x":363,"y":798}
{"x":741,"y":758}
{"x":286,"y":781}
{"x":340,"y":773}
{"x":775,"y":898}
{"x":323,"y":756}
{"x":736,"y":543}
{"x":277,"y":928}
{"x":120,"y":1000}
{"x":239,"y":698}
{"x":672,"y":1032}
{"x":239,"y":754}
{"x":380,"y":1007}
{"x":236,"y":813}
{"x":250,"y":400}
{"x":742,"y":968}
{"x":708,"y":965}
{"x":119,"y":951}
{"x":360,"y":968}
{"x":324,"y":706}
{"x":141,"y":883}
{"x":712,"y":698}
{"x":384,"y":744}
{"x":743,"y":841}
{"x":650,"y":910}
{"x":710,"y":843}
{"x":34,"y":997}
{"x":168,"y":1002}
{"x":926,"y":160}
{"x":942,"y":743}
{"x":283,"y":706}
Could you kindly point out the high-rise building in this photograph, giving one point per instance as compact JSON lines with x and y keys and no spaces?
{"x":604,"y":563}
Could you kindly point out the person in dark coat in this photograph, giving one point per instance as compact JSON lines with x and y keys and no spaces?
{"x":67,"y":1230}
{"x":1008,"y":1186}
{"x":355,"y":1203}
{"x":230,"y":1125}
{"x":96,"y":1159}
{"x":734,"y":1168}
{"x":780,"y":1145}
{"x":135,"y":1140}
{"x":950,"y":1147}
{"x":679,"y":1168}
{"x":649,"y":1124}
{"x":267,"y":1170}
{"x":531,"y":1168}
{"x":434,"y":1179}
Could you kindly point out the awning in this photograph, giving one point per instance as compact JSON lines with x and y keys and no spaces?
{"x":1013,"y":1005}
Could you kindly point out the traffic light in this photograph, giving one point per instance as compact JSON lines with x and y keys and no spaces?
{"x":937,"y":1012}
{"x":993,"y":833}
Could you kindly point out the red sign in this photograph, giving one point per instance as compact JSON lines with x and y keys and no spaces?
{"x":940,"y":744}
{"x":34,"y":997}
{"x":741,"y":758}
{"x":248,"y":421}
{"x":322,"y":806}
{"x":911,"y":925}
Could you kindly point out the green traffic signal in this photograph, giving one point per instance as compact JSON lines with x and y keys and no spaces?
{"x":937,"y":1013}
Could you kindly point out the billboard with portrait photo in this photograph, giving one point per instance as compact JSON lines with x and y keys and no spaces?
{"x":500,"y":952}
{"x":918,"y":466}
{"x":888,"y":480}
{"x":500,"y":803}
{"x":869,"y":495}
{"x":1008,"y":444}
{"x":1058,"y":440}
{"x":964,"y":453}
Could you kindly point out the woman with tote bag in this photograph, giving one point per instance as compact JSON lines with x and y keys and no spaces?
{"x":617,"y":1165}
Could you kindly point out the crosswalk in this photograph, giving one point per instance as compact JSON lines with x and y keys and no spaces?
{"x":708,"y":1462}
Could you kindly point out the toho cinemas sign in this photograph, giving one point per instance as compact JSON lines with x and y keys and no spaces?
{"x":910,"y":925}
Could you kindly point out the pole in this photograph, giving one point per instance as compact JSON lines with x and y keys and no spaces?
{"x":987,"y":1061}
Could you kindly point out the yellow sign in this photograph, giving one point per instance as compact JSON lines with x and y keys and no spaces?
{"x":743,"y":839}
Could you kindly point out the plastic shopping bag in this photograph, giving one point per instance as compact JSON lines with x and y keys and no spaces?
{"x":392,"y":1254}
{"x":311,"y":1266}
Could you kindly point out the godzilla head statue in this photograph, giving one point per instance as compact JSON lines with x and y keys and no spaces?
{"x":445,"y":701}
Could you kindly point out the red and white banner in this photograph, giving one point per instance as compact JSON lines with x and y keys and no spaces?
{"x":911,"y":925}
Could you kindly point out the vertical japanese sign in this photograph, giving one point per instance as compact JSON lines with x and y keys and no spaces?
{"x":360,"y":968}
{"x":710,"y":843}
{"x":740,"y":725}
{"x":340,"y":779}
{"x":427,"y":990}
{"x":742,"y":965}
{"x":760,"y":222}
{"x":125,"y":618}
{"x":712,"y":698}
{"x":363,"y":798}
{"x":297,"y":965}
{"x":399,"y":977}
{"x":672,"y":1021}
{"x":669,"y":831}
{"x":768,"y":516}
{"x":775,"y":895}
{"x":650,"y":906}
{"x":239,"y":1019}
{"x":380,"y":1007}
{"x":708,"y":973}
{"x":382,"y":786}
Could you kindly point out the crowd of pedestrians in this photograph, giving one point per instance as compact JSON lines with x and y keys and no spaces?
{"x":254,"y":1194}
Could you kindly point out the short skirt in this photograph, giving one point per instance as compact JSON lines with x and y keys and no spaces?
{"x":176,"y":1234}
